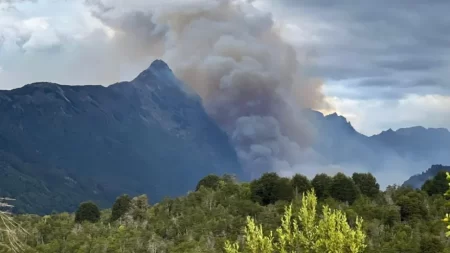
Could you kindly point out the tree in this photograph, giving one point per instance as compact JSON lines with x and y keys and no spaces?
{"x":210,"y":181}
{"x":87,"y":211}
{"x":270,"y":188}
{"x":139,"y":206}
{"x":367,"y":184}
{"x":120,"y":207}
{"x":411,"y":206}
{"x":300,"y":183}
{"x":343,"y":188}
{"x":304,"y":231}
{"x":437,"y":185}
{"x":321,"y":184}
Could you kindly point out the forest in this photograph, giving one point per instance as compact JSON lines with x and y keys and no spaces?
{"x":337,"y":213}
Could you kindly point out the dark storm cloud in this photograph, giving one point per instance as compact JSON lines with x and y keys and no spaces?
{"x":402,"y":44}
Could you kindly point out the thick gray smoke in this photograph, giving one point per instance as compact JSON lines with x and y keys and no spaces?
{"x":250,"y":80}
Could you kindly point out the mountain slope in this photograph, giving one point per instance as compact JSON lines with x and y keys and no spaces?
{"x":418,"y":180}
{"x":71,"y":143}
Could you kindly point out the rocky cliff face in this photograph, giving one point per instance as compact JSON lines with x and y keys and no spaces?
{"x":60,"y":145}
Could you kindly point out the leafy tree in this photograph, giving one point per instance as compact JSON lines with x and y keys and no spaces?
{"x":304,"y":231}
{"x":321,"y":184}
{"x":139,"y":206}
{"x":203,"y":220}
{"x":412,"y":206}
{"x":343,"y":188}
{"x":87,"y":211}
{"x":366,"y":183}
{"x":210,"y":181}
{"x":270,"y":188}
{"x":120,"y":207}
{"x":431,"y":244}
{"x":437,"y":185}
{"x":300,"y":183}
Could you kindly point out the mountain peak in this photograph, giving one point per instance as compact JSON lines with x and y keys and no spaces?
{"x":157,"y":70}
{"x":159,"y":64}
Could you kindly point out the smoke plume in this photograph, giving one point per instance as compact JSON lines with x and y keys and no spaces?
{"x":250,"y":80}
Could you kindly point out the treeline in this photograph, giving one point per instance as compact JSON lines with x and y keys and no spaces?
{"x":223,"y":212}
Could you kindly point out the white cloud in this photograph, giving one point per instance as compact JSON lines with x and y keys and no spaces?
{"x":373,"y":116}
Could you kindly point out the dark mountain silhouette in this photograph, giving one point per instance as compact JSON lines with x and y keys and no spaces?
{"x":60,"y":145}
{"x":418,"y":180}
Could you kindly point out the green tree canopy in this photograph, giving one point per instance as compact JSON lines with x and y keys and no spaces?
{"x":139,"y":206}
{"x":87,"y":211}
{"x":304,"y":231}
{"x":437,"y":185}
{"x":300,"y":183}
{"x":412,"y":206}
{"x":321,"y":184}
{"x":366,"y":183}
{"x":270,"y":188}
{"x":210,"y":181}
{"x":343,"y":188}
{"x":120,"y":207}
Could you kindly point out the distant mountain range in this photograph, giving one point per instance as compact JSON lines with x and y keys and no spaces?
{"x":60,"y":145}
{"x":393,"y":156}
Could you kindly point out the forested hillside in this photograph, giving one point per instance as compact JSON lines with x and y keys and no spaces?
{"x":399,"y":219}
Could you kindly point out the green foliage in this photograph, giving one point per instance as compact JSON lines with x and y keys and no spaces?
{"x":437,"y":185}
{"x":447,"y":216}
{"x":210,"y":181}
{"x":204,"y":220}
{"x":367,"y":184}
{"x":270,"y":188}
{"x":139,"y":206}
{"x":87,"y":211}
{"x":431,"y":244}
{"x":120,"y":207}
{"x":321,"y":184}
{"x":300,"y":183}
{"x":343,"y":188}
{"x":412,"y":206}
{"x":304,"y":231}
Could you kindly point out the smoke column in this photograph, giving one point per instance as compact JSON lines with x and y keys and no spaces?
{"x":250,"y":80}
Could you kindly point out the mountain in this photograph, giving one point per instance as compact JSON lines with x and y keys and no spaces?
{"x":391,"y":155}
{"x":60,"y":145}
{"x":418,"y":142}
{"x":418,"y":180}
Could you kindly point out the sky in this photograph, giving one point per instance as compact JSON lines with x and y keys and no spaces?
{"x":384,"y":64}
